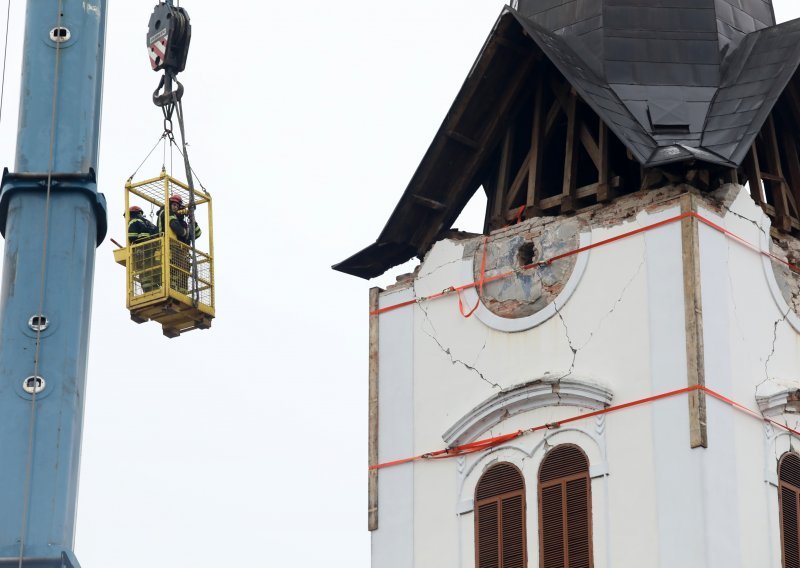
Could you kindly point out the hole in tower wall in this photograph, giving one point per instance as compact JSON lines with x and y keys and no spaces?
{"x":526,"y":254}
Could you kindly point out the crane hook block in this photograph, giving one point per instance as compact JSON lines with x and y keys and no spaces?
{"x":168,"y":38}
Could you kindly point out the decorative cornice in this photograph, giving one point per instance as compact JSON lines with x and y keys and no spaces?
{"x":775,"y":397}
{"x":538,"y":393}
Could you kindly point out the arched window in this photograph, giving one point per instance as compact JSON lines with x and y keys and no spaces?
{"x":789,"y":496}
{"x":500,"y":518}
{"x":565,"y":509}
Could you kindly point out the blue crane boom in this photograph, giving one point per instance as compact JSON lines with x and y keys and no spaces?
{"x":52,"y":217}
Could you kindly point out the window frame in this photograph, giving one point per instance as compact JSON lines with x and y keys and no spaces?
{"x":783,"y":484}
{"x":499,"y":499}
{"x":563,"y":481}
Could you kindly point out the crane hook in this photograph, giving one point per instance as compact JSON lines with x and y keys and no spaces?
{"x":168,"y":36}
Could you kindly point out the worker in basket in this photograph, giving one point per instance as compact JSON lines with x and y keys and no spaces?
{"x":146,"y":267}
{"x":179,"y":225}
{"x":139,"y":228}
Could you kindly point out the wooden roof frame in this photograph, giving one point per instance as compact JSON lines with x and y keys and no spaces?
{"x":517,"y":52}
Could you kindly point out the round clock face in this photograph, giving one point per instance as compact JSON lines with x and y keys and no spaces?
{"x":530,"y":287}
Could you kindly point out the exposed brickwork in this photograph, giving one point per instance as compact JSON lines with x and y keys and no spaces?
{"x":787,"y":248}
{"x":508,"y":249}
{"x":529,"y":241}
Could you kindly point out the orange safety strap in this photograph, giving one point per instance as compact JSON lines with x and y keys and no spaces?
{"x":747,"y":244}
{"x":470,"y":448}
{"x":519,"y":213}
{"x":480,"y":284}
{"x":752,"y":413}
{"x":488,"y":443}
{"x":608,"y":241}
{"x":486,"y":280}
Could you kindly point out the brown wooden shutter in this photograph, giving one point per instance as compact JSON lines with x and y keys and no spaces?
{"x":500,"y":518}
{"x":789,"y":497}
{"x":565,"y":509}
{"x":551,"y":526}
{"x":513,"y":509}
{"x":488,"y":530}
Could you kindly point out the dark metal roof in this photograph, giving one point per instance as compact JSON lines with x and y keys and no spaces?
{"x":755,"y":75}
{"x":674,"y":80}
{"x":595,"y":91}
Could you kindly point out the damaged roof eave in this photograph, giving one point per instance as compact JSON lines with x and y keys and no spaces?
{"x":411,"y":229}
{"x":370,"y":261}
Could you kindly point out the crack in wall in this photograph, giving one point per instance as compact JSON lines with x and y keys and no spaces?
{"x":726,"y":195}
{"x":438,"y":268}
{"x":572,"y":346}
{"x":453,"y":360}
{"x":772,"y":351}
{"x":749,"y":220}
{"x":478,"y":356}
{"x":616,"y":302}
{"x":569,"y":341}
{"x":428,"y":320}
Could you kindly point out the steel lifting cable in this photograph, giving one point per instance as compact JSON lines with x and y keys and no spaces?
{"x":37,"y":353}
{"x":194,"y":173}
{"x":190,"y":183}
{"x":176,"y":107}
{"x":172,"y":145}
{"x":168,"y":110}
{"x":150,"y":153}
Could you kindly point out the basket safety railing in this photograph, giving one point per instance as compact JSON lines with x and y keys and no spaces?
{"x":146,"y":272}
{"x":156,"y":271}
{"x":180,"y":273}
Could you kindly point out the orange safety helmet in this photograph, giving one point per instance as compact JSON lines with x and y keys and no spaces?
{"x":175,"y":198}
{"x":135,"y":209}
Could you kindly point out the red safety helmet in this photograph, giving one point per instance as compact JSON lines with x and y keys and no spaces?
{"x":175,"y":198}
{"x":135,"y":209}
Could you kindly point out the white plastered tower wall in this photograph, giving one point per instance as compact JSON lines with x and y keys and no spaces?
{"x":609,"y":327}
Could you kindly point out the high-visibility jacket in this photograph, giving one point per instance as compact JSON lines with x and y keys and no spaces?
{"x":179,"y":225}
{"x":140,"y":229}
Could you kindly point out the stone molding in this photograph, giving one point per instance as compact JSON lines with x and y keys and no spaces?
{"x":539,"y":393}
{"x":775,"y":397}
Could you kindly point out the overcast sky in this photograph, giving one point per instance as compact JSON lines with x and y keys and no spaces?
{"x":245,"y":445}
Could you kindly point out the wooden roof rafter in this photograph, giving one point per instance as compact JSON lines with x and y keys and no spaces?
{"x":599,"y":128}
{"x":554,"y":93}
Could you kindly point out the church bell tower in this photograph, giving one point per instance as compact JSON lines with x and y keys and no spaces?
{"x":608,"y":375}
